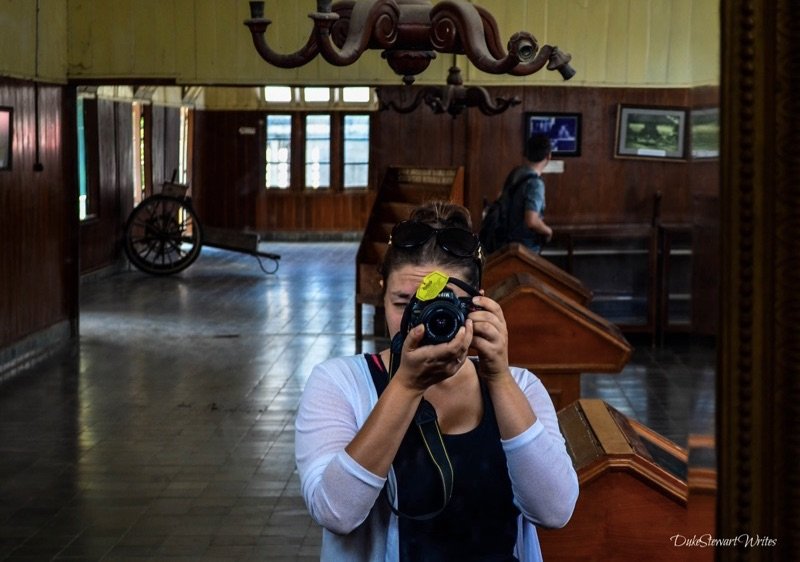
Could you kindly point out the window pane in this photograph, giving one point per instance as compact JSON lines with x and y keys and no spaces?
{"x":317,"y":95}
{"x":279,"y":138}
{"x":278,"y":94}
{"x":356,"y":175}
{"x":356,"y":151}
{"x":356,"y":127}
{"x":360,"y":94}
{"x":183,"y":146}
{"x":318,"y":151}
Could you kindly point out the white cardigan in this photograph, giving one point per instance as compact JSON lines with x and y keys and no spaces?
{"x":341,"y":494}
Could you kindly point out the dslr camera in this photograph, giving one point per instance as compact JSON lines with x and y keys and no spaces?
{"x":442,"y":316}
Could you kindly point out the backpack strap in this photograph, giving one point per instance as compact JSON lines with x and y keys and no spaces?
{"x":510,"y":187}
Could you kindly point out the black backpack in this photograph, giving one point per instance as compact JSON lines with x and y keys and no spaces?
{"x":494,"y":227}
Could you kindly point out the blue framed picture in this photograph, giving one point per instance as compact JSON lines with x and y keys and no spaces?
{"x":564,"y":130}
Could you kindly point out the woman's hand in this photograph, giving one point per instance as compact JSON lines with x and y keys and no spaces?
{"x":512,"y":409}
{"x":490,"y":338}
{"x":424,"y":365}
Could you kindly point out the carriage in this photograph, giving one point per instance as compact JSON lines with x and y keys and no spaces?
{"x":164,"y":236}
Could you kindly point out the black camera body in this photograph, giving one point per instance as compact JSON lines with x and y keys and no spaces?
{"x":442,"y":316}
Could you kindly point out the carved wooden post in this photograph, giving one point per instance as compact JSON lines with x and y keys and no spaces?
{"x":759,"y":379}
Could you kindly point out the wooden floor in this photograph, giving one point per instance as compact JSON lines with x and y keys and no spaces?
{"x":167,"y":434}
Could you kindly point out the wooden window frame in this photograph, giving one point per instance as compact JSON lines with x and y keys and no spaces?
{"x":297,"y":166}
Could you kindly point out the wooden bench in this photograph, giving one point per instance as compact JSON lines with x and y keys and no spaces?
{"x":556,"y":337}
{"x":635,"y":492}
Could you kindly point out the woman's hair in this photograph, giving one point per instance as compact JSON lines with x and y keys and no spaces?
{"x":438,"y":214}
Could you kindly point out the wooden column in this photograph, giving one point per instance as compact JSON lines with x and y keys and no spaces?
{"x":759,"y":379}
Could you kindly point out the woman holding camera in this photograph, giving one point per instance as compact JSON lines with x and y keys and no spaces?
{"x":380,"y":483}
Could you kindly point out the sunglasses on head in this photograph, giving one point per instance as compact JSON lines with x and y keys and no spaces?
{"x":455,"y":241}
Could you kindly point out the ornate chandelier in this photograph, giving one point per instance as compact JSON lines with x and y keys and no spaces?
{"x":453,"y":98}
{"x":410,"y":33}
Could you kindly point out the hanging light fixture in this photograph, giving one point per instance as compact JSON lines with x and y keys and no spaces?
{"x":410,"y":33}
{"x":453,"y":98}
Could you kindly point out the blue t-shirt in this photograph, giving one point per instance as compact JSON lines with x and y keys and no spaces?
{"x":526,"y":197}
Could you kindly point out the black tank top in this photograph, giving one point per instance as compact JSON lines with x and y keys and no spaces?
{"x":480,"y":521}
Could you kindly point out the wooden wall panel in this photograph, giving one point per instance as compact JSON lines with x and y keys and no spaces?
{"x":38,"y":275}
{"x":227,"y":168}
{"x":171,"y":148}
{"x":123,"y":117}
{"x":109,"y":147}
{"x":157,"y":142}
{"x":595,"y":188}
{"x":228,"y":183}
{"x":163,"y":124}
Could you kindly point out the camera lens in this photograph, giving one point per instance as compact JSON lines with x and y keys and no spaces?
{"x":442,"y":322}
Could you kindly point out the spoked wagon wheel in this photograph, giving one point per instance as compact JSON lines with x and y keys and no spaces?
{"x":163,"y":235}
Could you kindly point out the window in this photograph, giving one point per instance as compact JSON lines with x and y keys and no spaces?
{"x":331,"y":151}
{"x":142,"y":150}
{"x":356,"y":94}
{"x":279,"y":151}
{"x":183,"y":147}
{"x":318,"y":151}
{"x":317,"y":95}
{"x":356,"y":151}
{"x":278,"y":94}
{"x":327,"y":129}
{"x":83,"y":192}
{"x":322,"y":98}
{"x":139,"y":175}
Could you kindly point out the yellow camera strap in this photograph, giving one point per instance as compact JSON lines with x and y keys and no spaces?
{"x":425,"y":417}
{"x":428,"y":426}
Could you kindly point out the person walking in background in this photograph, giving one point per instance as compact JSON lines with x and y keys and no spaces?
{"x":526,"y":192}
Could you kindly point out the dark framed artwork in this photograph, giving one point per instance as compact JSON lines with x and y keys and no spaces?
{"x":564,"y":130}
{"x":704,"y":133}
{"x":651,"y":133}
{"x":6,"y":136}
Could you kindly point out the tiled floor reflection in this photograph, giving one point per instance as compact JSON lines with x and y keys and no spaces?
{"x":168,"y":434}
{"x":669,"y":389}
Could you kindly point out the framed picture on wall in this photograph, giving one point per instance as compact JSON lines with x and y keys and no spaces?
{"x":651,"y":133}
{"x":5,"y":137}
{"x":564,"y":130}
{"x":704,"y":133}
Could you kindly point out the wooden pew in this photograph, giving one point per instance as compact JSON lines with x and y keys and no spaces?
{"x":516,"y":258}
{"x":634,"y":492}
{"x":403,"y":189}
{"x":555,"y":337}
